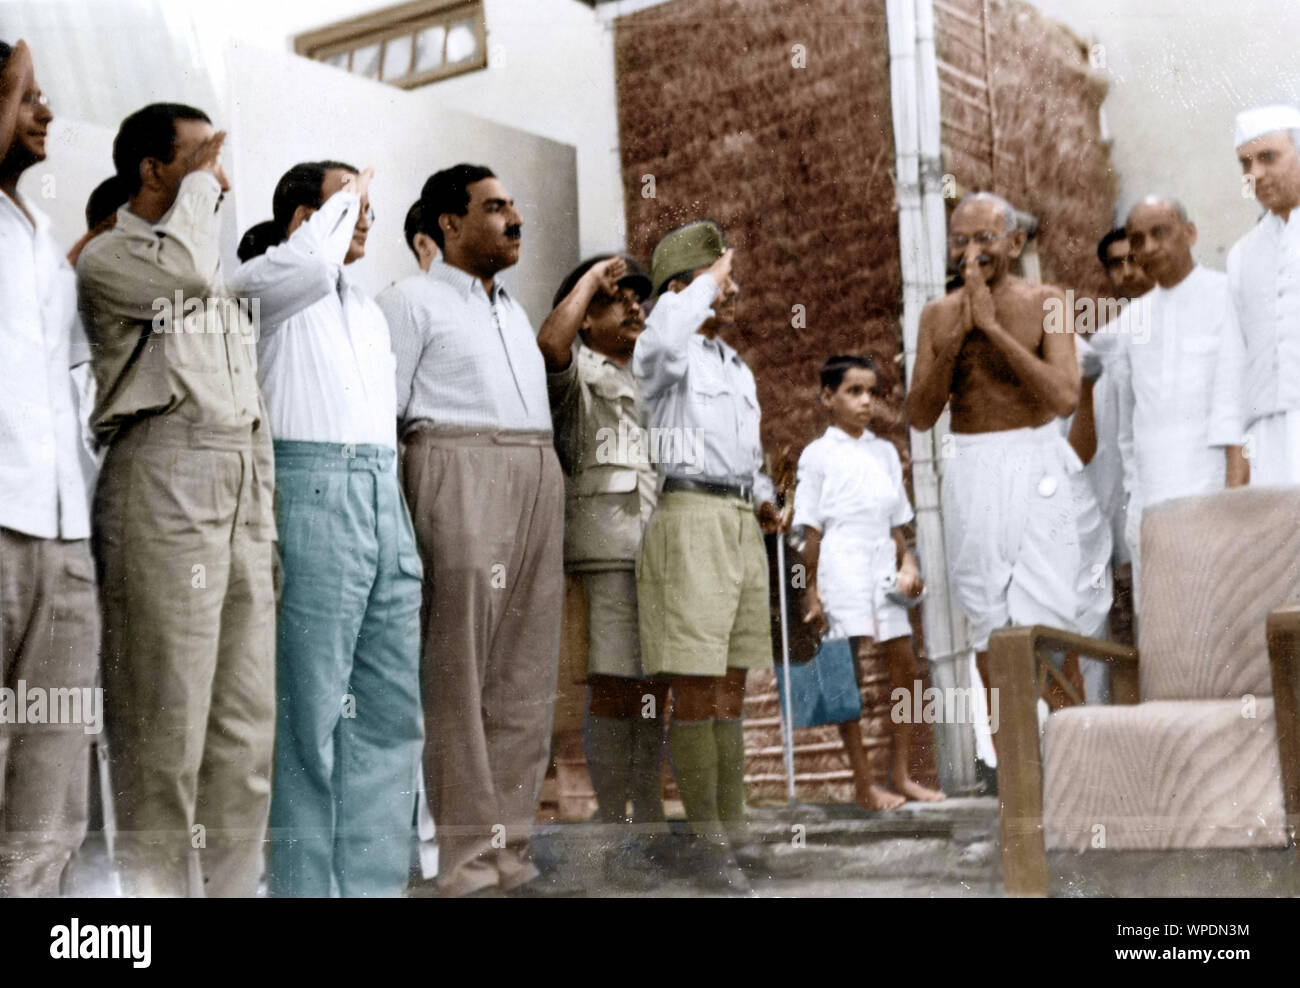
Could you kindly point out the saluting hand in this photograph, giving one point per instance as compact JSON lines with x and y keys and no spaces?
{"x":207,"y":158}
{"x":607,"y":274}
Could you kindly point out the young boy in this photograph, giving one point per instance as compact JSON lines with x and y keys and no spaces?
{"x":851,"y":503}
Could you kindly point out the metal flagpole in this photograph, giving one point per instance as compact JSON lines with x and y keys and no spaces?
{"x":787,"y":722}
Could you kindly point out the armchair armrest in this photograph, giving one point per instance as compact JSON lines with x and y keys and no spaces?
{"x":1284,"y":662}
{"x":1013,"y":671}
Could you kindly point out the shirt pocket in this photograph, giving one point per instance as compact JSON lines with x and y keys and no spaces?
{"x":197,"y":341}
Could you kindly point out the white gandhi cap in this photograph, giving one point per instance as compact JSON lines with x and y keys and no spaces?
{"x":1261,"y":120}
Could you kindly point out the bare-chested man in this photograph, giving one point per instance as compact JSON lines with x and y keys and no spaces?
{"x":1014,"y":495}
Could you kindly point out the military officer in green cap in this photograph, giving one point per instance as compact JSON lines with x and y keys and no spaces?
{"x":702,"y":584}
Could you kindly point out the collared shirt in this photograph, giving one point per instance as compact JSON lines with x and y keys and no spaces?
{"x":1166,"y":387}
{"x":165,"y":335}
{"x":325,"y":362}
{"x":1259,"y":371}
{"x":464,"y":361}
{"x":851,"y":484}
{"x":702,"y":397}
{"x":42,"y":487}
{"x":610,"y":484}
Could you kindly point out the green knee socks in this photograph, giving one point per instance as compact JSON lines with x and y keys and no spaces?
{"x":609,"y":750}
{"x":729,"y":742}
{"x":695,"y":766}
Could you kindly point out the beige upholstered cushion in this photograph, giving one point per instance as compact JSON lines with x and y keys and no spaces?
{"x":1164,"y":774}
{"x":1213,"y":567}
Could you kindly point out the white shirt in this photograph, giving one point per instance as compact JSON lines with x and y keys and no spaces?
{"x":855,"y":485}
{"x":1105,"y":471}
{"x":464,"y":361}
{"x":701,"y":391}
{"x":325,"y":362}
{"x":1260,"y":361}
{"x":1165,"y":375}
{"x":42,"y":486}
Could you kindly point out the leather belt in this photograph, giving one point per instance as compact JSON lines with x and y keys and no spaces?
{"x":718,"y":488}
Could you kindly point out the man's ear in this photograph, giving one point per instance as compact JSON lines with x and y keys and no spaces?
{"x":149,"y":173}
{"x":298,"y":218}
{"x":449,"y":223}
{"x":1191,"y":234}
{"x":1018,"y":240}
{"x":826,"y":395}
{"x":425,"y":246}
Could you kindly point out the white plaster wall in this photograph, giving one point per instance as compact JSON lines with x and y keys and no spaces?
{"x":1179,"y":72}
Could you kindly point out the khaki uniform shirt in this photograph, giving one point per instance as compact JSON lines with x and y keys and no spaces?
{"x":610,"y":484}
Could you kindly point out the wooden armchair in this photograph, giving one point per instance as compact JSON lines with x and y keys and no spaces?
{"x":1201,"y":746}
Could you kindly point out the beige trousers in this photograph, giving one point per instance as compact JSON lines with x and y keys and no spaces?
{"x":49,"y":714}
{"x":489,"y":520}
{"x":184,"y":536}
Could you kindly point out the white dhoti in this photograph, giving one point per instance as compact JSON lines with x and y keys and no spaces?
{"x":1026,"y":542}
{"x":1273,"y":448}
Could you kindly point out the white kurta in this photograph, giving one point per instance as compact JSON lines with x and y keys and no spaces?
{"x":852,"y":491}
{"x":1166,"y":378}
{"x":1257,"y":388}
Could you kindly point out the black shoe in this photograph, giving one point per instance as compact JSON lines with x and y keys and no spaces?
{"x":719,"y":871}
{"x":986,"y":778}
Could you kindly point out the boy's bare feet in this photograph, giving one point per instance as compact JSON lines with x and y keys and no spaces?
{"x":918,"y":792}
{"x":875,"y":798}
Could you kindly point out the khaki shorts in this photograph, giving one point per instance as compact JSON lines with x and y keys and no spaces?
{"x":702,"y":588}
{"x":613,"y":637}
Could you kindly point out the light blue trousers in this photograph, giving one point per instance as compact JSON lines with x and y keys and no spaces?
{"x":349,"y":721}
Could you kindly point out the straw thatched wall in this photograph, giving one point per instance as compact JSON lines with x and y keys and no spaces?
{"x":774,"y":119}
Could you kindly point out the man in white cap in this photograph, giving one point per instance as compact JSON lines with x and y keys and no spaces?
{"x":1257,"y":388}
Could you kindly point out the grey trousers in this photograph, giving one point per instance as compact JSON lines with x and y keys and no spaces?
{"x":489,"y":519}
{"x":184,"y":542}
{"x":49,"y":648}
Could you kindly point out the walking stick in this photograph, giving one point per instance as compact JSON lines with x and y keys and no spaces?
{"x":787,"y":714}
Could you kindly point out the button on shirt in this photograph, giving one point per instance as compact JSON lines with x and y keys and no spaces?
{"x":1165,"y":378}
{"x":42,"y":487}
{"x":165,"y":335}
{"x":1259,"y":372}
{"x":464,"y":361}
{"x":700,"y":391}
{"x":325,"y":361}
{"x":610,"y":484}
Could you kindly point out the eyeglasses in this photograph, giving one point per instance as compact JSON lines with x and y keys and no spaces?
{"x":983,"y":239}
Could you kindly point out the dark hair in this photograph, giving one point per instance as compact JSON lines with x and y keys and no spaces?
{"x":5,"y":52}
{"x":299,"y":186}
{"x":258,"y":239}
{"x":1104,"y":243}
{"x":833,"y":371}
{"x":104,"y":201}
{"x":414,"y":224}
{"x":149,"y":132}
{"x":447,"y":191}
{"x":686,"y":276}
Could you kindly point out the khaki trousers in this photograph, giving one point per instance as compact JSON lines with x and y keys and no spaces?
{"x":489,"y":519}
{"x":49,"y":661}
{"x":184,"y":543}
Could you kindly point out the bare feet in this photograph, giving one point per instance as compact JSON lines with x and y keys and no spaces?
{"x":918,"y":792}
{"x":876,"y":798}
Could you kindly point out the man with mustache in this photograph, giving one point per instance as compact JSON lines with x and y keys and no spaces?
{"x":1257,"y":389}
{"x":1019,"y":514}
{"x":610,"y":492}
{"x":49,"y":627}
{"x":1165,"y":370}
{"x":487,"y":498}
